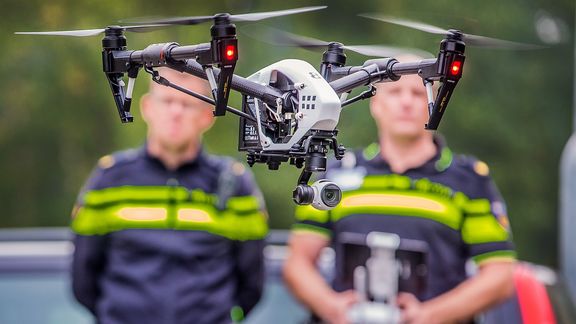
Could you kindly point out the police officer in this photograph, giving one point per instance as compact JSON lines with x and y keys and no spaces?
{"x":410,"y":184}
{"x":168,"y":233}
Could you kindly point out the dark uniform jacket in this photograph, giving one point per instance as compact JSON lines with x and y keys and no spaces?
{"x":161,"y":246}
{"x":450,"y":203}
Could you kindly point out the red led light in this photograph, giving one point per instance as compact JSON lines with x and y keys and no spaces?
{"x":230,"y":52}
{"x":455,"y":68}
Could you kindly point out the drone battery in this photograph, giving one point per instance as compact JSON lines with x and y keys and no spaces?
{"x":248,"y":138}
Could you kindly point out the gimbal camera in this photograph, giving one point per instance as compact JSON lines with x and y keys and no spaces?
{"x":289,"y":110}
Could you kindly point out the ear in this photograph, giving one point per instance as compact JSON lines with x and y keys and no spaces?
{"x":206,"y":119}
{"x":145,"y":107}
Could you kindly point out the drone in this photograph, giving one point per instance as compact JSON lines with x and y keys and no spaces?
{"x":289,"y":110}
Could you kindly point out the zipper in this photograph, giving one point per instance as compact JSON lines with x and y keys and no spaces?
{"x":172,"y":184}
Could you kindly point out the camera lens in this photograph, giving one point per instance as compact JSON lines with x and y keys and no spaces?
{"x":331,"y":195}
{"x":303,"y":195}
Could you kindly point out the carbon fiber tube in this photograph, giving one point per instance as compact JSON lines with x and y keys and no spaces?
{"x":265,"y":93}
{"x":354,"y":80}
{"x":411,"y":67}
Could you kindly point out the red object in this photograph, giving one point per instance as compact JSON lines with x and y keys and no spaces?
{"x":533,"y":298}
{"x":230,"y":52}
{"x":455,"y":68}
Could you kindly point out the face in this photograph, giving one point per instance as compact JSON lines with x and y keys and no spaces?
{"x":176,"y":119}
{"x":400,"y":108}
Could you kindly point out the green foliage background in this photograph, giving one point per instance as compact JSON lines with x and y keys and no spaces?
{"x":512,"y":108}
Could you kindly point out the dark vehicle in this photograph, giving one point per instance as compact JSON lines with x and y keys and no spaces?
{"x":35,"y":287}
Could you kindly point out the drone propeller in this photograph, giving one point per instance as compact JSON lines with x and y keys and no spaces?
{"x":282,"y":38}
{"x":473,"y":40}
{"x":194,"y":20}
{"x":94,"y":32}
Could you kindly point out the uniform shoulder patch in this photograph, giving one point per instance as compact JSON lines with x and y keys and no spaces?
{"x":474,"y":165}
{"x":106,"y":162}
{"x":481,"y":168}
{"x":110,"y":160}
{"x":238,"y":168}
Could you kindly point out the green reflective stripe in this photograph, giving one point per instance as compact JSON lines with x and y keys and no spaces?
{"x":227,"y":223}
{"x":90,"y":221}
{"x":312,"y":228}
{"x":445,"y":159}
{"x":196,"y":195}
{"x":150,"y":194}
{"x":504,"y":254}
{"x":425,"y":185}
{"x":391,"y":181}
{"x":243,"y":203}
{"x":483,"y":229}
{"x":371,"y":151}
{"x":86,"y":222}
{"x":399,"y":203}
{"x":307,"y":212}
{"x":186,"y":216}
{"x":477,"y":206}
{"x":123,"y":193}
{"x":237,"y":314}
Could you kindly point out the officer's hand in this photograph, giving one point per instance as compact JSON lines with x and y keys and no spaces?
{"x":413,"y":311}
{"x":336,"y":308}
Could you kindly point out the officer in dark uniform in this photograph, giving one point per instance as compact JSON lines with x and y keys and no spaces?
{"x":168,"y":233}
{"x":410,"y":184}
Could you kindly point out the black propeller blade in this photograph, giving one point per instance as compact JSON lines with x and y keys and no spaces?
{"x":282,"y":38}
{"x":194,"y":20}
{"x":94,"y":32}
{"x":473,"y":40}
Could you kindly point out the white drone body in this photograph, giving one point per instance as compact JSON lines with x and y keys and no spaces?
{"x":318,"y":106}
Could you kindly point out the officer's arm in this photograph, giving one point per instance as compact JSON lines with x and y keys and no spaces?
{"x":492,"y":285}
{"x":249,"y":253}
{"x":87,"y":265}
{"x":306,"y":282}
{"x":251,"y":274}
{"x":89,"y":256}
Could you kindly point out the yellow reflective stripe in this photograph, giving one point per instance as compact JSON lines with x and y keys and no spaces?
{"x":142,"y":213}
{"x":243,"y":226}
{"x":483,"y":229}
{"x":146,"y":193}
{"x":405,"y":204}
{"x":307,"y":212}
{"x":392,"y":181}
{"x":193,"y":215}
{"x":477,"y":206}
{"x":311,"y":229}
{"x":202,"y":217}
{"x":116,"y":194}
{"x":243,"y":203}
{"x":90,"y":221}
{"x":497,"y":256}
{"x":85,"y":223}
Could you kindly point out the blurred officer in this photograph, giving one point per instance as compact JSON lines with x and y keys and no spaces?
{"x":410,"y":184}
{"x":167,"y":233}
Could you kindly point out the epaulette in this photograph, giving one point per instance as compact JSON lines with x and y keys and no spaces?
{"x":473,"y":164}
{"x":121,"y":157}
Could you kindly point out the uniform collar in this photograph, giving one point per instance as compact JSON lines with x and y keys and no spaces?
{"x":438,"y":163}
{"x":200,"y":157}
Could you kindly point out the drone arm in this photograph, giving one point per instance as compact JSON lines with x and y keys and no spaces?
{"x":265,"y":93}
{"x":372,"y":71}
{"x":426,"y":67}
